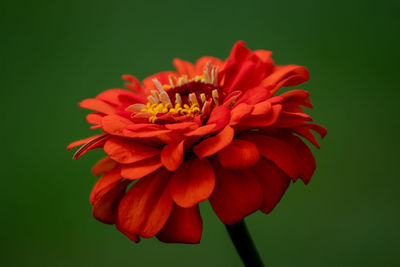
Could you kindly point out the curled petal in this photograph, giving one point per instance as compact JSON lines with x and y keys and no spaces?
{"x":192,"y":183}
{"x":236,"y":195}
{"x":145,"y":208}
{"x":239,"y":154}
{"x":273,"y":181}
{"x":94,"y":143}
{"x":287,"y":75}
{"x":183,"y":226}
{"x":214,"y":144}
{"x":83,"y":141}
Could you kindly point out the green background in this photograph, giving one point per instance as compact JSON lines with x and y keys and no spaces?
{"x":56,"y":53}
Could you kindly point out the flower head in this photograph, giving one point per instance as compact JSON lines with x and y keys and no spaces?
{"x":215,"y":130}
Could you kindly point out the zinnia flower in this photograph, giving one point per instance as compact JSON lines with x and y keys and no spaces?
{"x":216,"y":130}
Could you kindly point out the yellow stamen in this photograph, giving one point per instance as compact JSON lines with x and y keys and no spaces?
{"x":215,"y":96}
{"x":154,"y":109}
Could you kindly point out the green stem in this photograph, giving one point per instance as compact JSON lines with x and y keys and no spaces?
{"x":244,"y":245}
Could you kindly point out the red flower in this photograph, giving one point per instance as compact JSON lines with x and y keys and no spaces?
{"x":214,"y":130}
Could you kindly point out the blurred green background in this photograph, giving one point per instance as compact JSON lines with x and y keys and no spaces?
{"x":56,"y":53}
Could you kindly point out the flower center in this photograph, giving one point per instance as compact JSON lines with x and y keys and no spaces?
{"x":181,"y":99}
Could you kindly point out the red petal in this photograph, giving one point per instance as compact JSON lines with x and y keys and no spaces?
{"x":299,"y":96}
{"x":263,"y":120}
{"x":133,"y":237}
{"x":94,"y":118}
{"x":273,"y":181}
{"x":110,"y":178}
{"x":304,"y":130}
{"x":255,"y":95}
{"x":265,"y":56}
{"x":162,"y":77}
{"x":306,"y":133}
{"x":219,"y":116}
{"x":124,"y":150}
{"x":104,"y":165}
{"x":114,"y":124}
{"x":184,"y":67}
{"x":133,"y":84}
{"x":201,"y":63}
{"x":82,"y":141}
{"x":287,"y":75}
{"x":192,"y":183}
{"x":236,"y":195}
{"x":231,"y":98}
{"x":240,"y":112}
{"x":262,"y":108}
{"x":111,"y":96}
{"x":239,"y":154}
{"x":146,"y":206}
{"x":96,"y":142}
{"x":184,"y":126}
{"x":214,"y":144}
{"x":243,"y":69}
{"x":241,"y":74}
{"x":183,"y":226}
{"x":305,"y":155}
{"x":145,"y":130}
{"x":97,"y":105}
{"x":318,"y":129}
{"x":172,"y":155}
{"x":281,"y":153}
{"x":129,"y":98}
{"x":295,"y":116}
{"x":105,"y":209}
{"x":140,"y":169}
{"x":206,"y":129}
